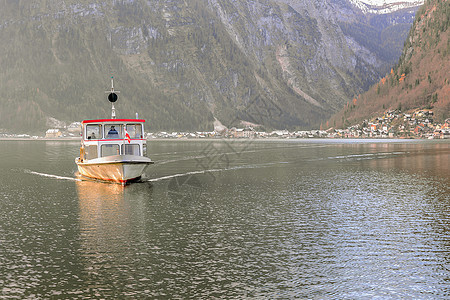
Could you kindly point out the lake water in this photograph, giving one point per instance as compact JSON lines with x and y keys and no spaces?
{"x":320,"y":219}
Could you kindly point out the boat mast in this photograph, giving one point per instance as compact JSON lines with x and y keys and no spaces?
{"x":112,"y":97}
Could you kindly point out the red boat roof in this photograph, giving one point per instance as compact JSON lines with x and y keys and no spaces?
{"x":114,"y":121}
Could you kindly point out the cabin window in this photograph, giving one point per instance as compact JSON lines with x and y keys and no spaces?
{"x":135,"y":131}
{"x":113,"y":131}
{"x":91,"y":152}
{"x":93,"y":132}
{"x":131,"y":149}
{"x":110,"y":149}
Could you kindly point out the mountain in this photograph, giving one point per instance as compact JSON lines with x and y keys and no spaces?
{"x":420,"y":79}
{"x":185,"y":64}
{"x":385,"y":6}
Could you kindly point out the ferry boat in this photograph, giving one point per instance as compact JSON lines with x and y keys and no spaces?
{"x":113,"y":149}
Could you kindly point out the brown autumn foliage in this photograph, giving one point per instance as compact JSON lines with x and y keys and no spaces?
{"x":420,"y":80}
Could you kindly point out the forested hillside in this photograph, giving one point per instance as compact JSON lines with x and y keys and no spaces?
{"x":420,"y":80}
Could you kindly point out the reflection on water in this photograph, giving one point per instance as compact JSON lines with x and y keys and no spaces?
{"x":308,"y":219}
{"x":109,"y":222}
{"x":425,"y":159}
{"x":103,"y":216}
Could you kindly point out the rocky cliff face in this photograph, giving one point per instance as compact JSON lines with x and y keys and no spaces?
{"x":278,"y":63}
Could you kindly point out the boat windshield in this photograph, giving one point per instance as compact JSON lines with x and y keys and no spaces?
{"x":113,"y":131}
{"x":94,"y":131}
{"x":135,"y":131}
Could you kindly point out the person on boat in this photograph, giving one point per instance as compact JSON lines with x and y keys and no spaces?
{"x":113,"y":132}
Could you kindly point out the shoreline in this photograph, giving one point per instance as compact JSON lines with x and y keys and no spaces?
{"x":38,"y":139}
{"x":77,"y":139}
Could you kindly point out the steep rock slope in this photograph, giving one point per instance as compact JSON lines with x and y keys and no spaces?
{"x":279,"y":63}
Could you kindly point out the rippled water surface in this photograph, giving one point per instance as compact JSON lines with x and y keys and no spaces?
{"x":230,"y":219}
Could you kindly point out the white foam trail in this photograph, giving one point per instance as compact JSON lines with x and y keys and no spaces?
{"x":365,"y":155}
{"x":172,"y":153}
{"x":184,"y":174}
{"x":201,"y":157}
{"x":159,"y":163}
{"x":52,"y":176}
{"x":209,"y":171}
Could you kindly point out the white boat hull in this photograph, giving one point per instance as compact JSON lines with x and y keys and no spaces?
{"x":116,"y":168}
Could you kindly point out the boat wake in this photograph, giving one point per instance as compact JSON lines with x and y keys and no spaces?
{"x":198,"y":157}
{"x":365,"y":156}
{"x":237,"y":153}
{"x":254,"y":166}
{"x":52,"y":176}
{"x":211,"y":171}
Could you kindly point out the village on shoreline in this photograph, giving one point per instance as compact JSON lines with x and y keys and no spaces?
{"x":393,"y":124}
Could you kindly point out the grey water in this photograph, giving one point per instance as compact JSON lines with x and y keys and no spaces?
{"x":313,"y":219}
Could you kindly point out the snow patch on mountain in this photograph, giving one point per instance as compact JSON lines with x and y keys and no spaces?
{"x":385,"y":6}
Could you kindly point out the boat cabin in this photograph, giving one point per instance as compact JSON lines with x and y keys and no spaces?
{"x":107,"y":137}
